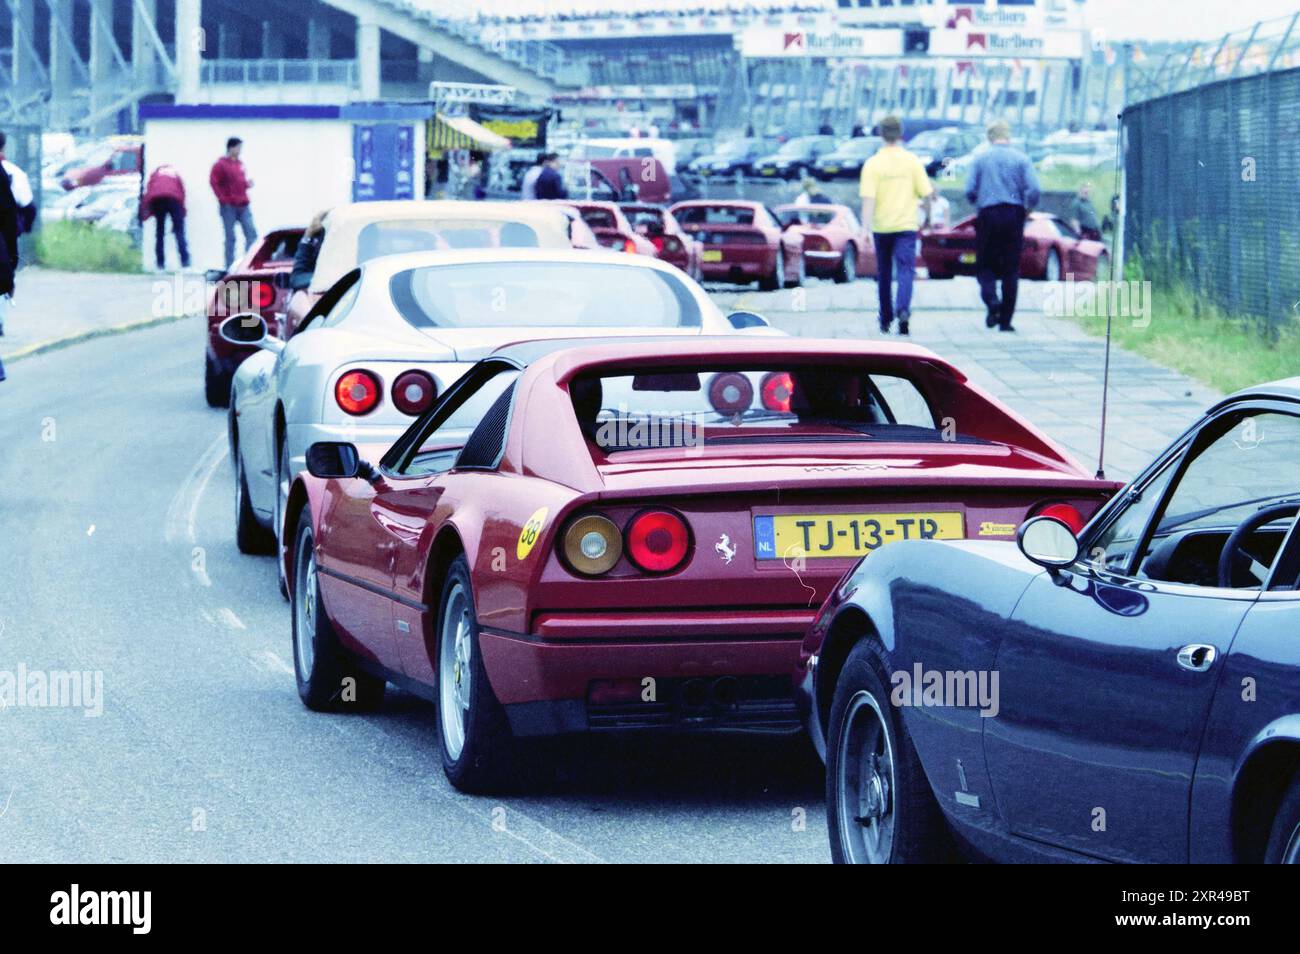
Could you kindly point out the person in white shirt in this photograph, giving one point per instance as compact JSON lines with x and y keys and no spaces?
{"x":21,"y":187}
{"x":939,"y":214}
{"x":528,"y":187}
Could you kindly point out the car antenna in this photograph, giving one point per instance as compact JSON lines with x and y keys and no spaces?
{"x":1110,"y":312}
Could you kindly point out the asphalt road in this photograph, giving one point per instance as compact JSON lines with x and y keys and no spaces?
{"x":117,"y":558}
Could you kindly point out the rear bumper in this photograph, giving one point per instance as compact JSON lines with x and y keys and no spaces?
{"x":734,"y":270}
{"x":630,"y":671}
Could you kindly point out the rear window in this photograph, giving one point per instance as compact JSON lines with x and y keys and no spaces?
{"x":543,"y":295}
{"x":807,"y":215}
{"x":599,"y":218}
{"x":715,"y":215}
{"x":396,"y":238}
{"x":810,"y":403}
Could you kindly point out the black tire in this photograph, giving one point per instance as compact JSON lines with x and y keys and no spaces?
{"x":777,"y":279}
{"x":216,"y":385}
{"x":940,"y":276}
{"x":848,"y":267}
{"x":278,"y":528}
{"x":1052,"y":256}
{"x":250,"y":536}
{"x":1284,"y":842}
{"x":479,"y":761}
{"x":800,"y":276}
{"x":329,"y":679}
{"x":918,"y":831}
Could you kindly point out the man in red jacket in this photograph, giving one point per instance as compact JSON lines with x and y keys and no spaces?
{"x":164,"y":197}
{"x":231,"y":186}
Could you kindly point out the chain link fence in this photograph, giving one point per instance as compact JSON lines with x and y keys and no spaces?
{"x":1213,"y":193}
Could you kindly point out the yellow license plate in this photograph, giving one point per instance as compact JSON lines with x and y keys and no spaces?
{"x":768,"y":172}
{"x":832,"y":168}
{"x":967,"y":258}
{"x":847,"y":534}
{"x":714,"y":255}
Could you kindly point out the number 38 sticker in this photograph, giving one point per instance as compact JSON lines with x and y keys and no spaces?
{"x":532,"y":530}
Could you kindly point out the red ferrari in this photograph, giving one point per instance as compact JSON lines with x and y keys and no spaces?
{"x":635,"y":535}
{"x":612,"y":228}
{"x":1052,"y":251}
{"x":258,"y":284}
{"x":742,"y":242}
{"x":671,"y":242}
{"x":835,"y":243}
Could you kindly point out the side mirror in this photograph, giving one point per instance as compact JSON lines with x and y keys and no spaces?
{"x":331,"y":459}
{"x":741,"y":320}
{"x":1048,"y":542}
{"x":249,"y":329}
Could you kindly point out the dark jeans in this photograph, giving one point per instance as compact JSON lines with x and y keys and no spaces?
{"x":999,"y":237}
{"x":161,"y":209}
{"x":895,"y":250}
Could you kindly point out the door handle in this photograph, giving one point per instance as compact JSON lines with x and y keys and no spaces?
{"x":1197,"y":657}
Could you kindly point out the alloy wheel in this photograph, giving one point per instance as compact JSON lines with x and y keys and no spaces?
{"x":866,"y":783}
{"x":455,"y":644}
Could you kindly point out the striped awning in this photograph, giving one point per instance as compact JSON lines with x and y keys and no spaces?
{"x":461,"y":132}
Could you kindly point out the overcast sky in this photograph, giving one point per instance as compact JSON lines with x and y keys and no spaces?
{"x":1182,"y":19}
{"x":1120,"y":19}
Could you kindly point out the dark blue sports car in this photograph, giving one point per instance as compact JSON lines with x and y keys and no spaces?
{"x":1128,"y":694}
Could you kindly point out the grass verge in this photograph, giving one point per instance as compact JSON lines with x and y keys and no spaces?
{"x":80,"y":247}
{"x":1226,"y":353}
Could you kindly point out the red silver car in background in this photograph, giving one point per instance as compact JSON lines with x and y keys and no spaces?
{"x":115,"y":159}
{"x":256,"y":284}
{"x":1052,"y":250}
{"x":612,"y":228}
{"x":742,"y":242}
{"x":835,"y":244}
{"x":637,"y":534}
{"x":671,"y":243}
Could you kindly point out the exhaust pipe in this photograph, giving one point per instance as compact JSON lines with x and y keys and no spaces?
{"x":695,"y":694}
{"x":726,"y":692}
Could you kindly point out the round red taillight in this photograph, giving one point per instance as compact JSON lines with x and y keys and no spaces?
{"x":357,"y":392}
{"x":263,"y":294}
{"x":657,"y":541}
{"x":730,"y":393}
{"x":413,"y":392}
{"x":659,"y":242}
{"x":778,"y":391}
{"x":630,"y":246}
{"x":1068,"y":514}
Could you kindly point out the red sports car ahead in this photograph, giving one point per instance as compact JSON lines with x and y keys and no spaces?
{"x":1052,"y":251}
{"x":637,"y":534}
{"x":671,"y":243}
{"x":612,"y":228}
{"x":835,"y":244}
{"x":258,"y":284}
{"x":742,"y":242}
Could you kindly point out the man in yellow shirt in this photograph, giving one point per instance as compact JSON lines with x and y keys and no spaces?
{"x":893,"y":181}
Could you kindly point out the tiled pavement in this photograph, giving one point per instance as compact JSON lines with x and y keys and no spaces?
{"x":50,"y":305}
{"x":1049,"y":370}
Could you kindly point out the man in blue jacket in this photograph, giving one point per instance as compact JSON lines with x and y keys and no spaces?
{"x":1004,"y":189}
